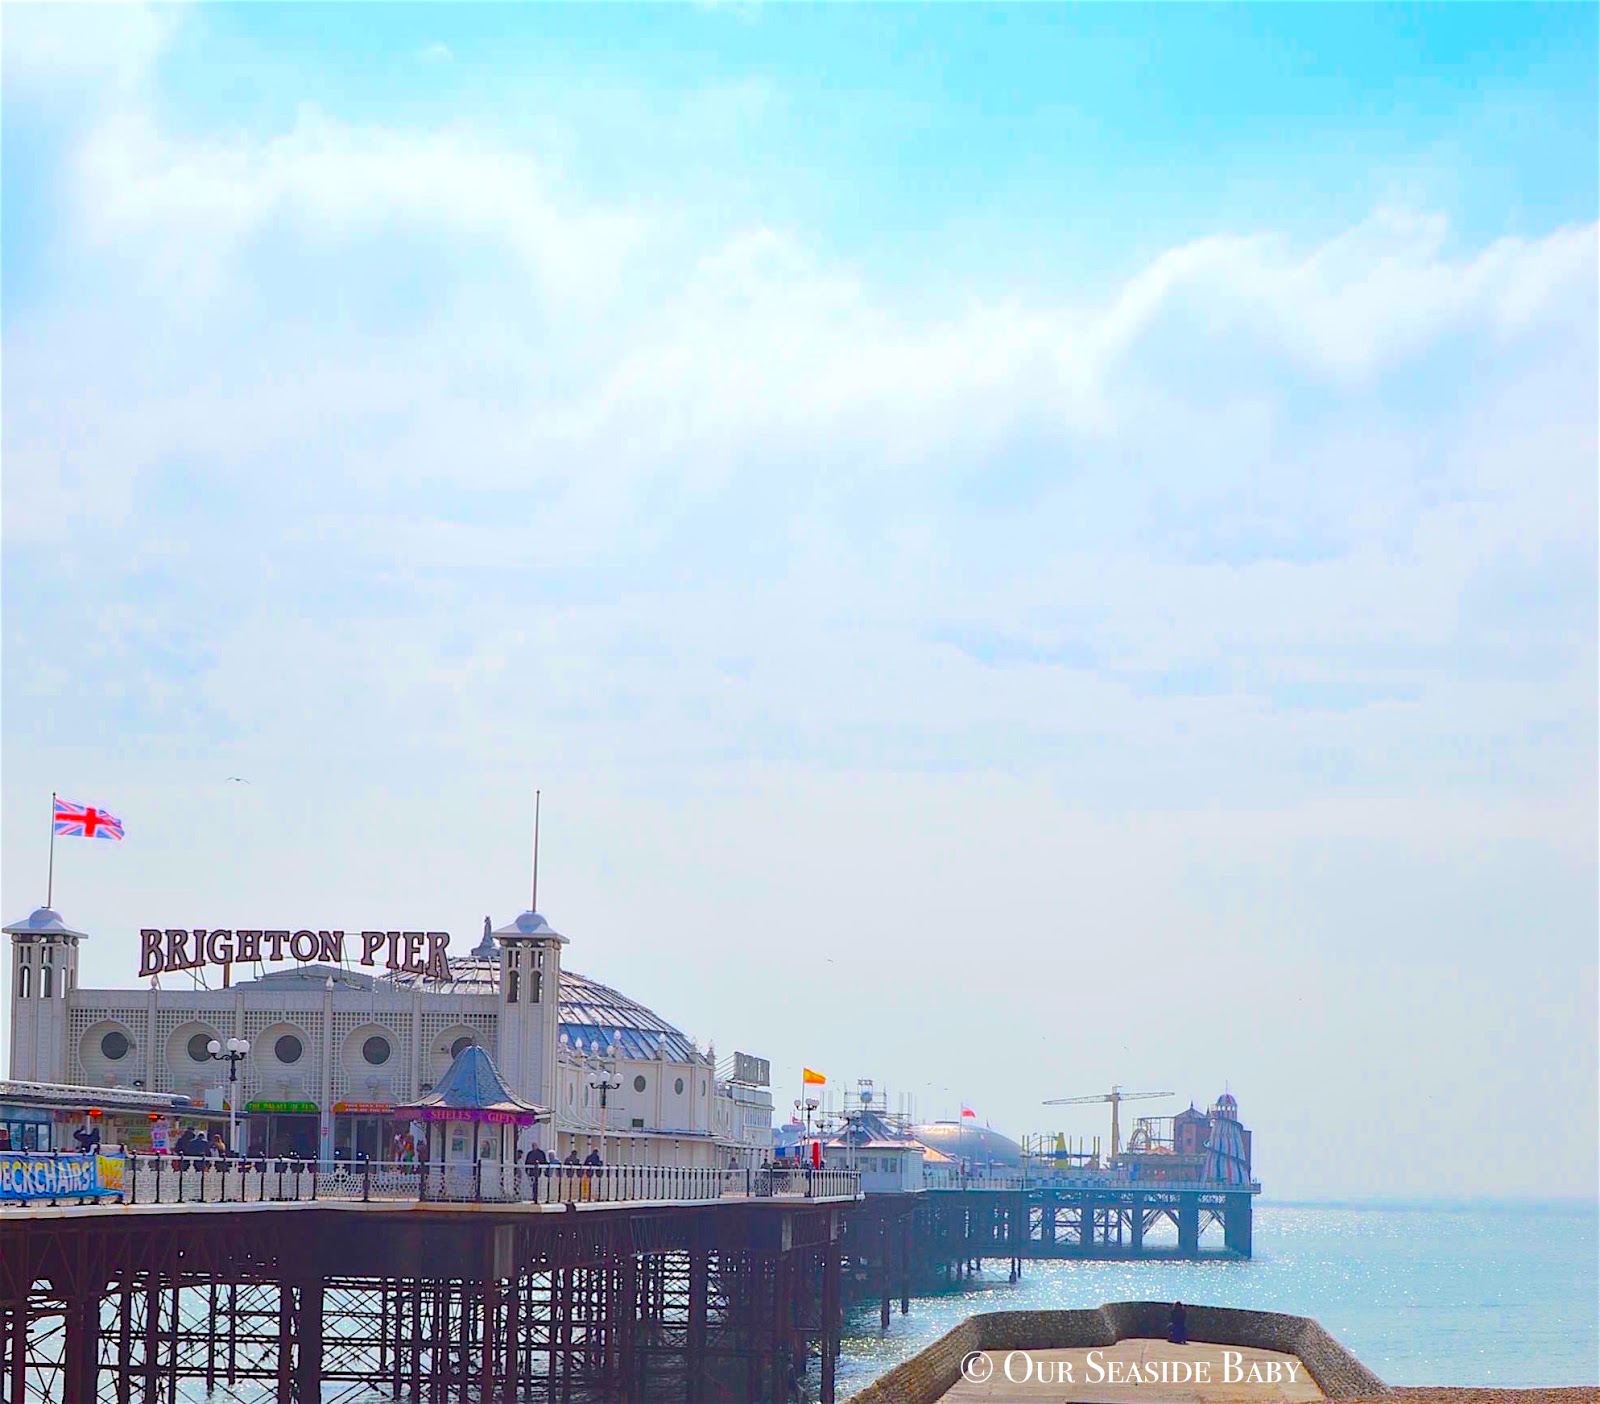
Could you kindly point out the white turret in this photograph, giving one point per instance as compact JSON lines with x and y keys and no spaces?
{"x":530,"y":1011}
{"x":44,"y":973}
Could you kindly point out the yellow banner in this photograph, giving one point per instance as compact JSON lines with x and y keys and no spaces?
{"x":811,"y":1077}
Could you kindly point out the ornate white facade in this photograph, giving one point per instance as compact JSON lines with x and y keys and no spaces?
{"x":333,"y":1050}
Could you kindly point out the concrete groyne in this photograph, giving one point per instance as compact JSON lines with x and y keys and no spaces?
{"x":933,"y":1371}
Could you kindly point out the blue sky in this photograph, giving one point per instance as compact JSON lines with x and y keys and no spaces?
{"x":948,"y":502}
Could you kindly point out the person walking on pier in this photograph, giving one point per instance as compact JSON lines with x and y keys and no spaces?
{"x":534,"y":1162}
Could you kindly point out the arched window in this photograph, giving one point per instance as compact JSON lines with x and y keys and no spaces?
{"x":535,"y":980}
{"x":513,"y":978}
{"x":46,"y":981}
{"x":24,"y":980}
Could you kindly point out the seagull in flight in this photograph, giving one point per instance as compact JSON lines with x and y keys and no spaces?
{"x":236,"y":780}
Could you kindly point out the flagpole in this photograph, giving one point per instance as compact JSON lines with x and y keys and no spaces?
{"x":50,"y":880}
{"x":533,"y":905}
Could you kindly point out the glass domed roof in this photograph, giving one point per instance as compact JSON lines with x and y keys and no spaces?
{"x":593,"y":1015}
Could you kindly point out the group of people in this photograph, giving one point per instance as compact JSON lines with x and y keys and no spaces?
{"x":193,"y":1145}
{"x":536,"y":1160}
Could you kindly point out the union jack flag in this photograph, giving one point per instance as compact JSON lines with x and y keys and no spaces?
{"x":85,"y":821}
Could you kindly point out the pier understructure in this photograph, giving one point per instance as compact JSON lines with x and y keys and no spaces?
{"x":318,"y":1302}
{"x":897,"y":1245}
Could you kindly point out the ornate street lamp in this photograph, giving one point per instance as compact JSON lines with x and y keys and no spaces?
{"x":233,"y":1053}
{"x":605,"y":1082}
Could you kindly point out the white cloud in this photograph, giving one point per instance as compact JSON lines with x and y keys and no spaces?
{"x":330,"y":183}
{"x":108,"y":49}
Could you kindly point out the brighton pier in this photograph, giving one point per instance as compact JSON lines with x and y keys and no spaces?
{"x":588,"y":1205}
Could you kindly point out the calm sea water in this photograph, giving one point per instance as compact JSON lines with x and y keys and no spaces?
{"x":1480,"y":1294}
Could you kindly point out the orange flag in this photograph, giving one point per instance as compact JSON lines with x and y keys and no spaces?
{"x":811,"y":1078}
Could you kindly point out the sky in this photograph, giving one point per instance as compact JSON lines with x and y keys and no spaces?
{"x":1024,"y":548}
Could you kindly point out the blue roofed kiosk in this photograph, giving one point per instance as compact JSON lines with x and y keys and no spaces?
{"x":472,"y":1119}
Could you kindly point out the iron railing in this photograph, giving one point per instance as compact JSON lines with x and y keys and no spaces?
{"x":940,"y":1178}
{"x":171,"y":1179}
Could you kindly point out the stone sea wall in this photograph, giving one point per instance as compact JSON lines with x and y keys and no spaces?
{"x":929,"y":1373}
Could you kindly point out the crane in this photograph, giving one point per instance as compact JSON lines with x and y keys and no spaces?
{"x":1116,"y":1096}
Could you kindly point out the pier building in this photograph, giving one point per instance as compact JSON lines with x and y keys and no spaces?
{"x":336,"y":1050}
{"x":976,"y":1147}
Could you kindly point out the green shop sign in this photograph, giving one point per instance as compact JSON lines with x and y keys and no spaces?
{"x":290,"y":1108}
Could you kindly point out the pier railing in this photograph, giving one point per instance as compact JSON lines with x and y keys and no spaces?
{"x":165,"y":1179}
{"x":944,"y":1179}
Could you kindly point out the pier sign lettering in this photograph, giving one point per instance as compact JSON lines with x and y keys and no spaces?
{"x":751,"y":1070}
{"x":25,"y":1176}
{"x":179,"y":948}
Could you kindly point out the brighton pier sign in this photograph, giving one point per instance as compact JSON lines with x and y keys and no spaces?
{"x":176,"y":948}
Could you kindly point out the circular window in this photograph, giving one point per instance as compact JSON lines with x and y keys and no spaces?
{"x":465,"y":1041}
{"x":199,"y":1048}
{"x":288,"y":1049}
{"x":115,"y":1045}
{"x":678,"y":1087}
{"x":638,"y":1083}
{"x":376,"y":1050}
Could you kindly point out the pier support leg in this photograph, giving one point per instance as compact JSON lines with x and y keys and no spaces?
{"x":1189,"y":1225}
{"x":699,"y":1289}
{"x":490,"y":1339}
{"x":17,"y":1348}
{"x":1236,"y":1229}
{"x":1136,"y":1225}
{"x":905,"y":1265}
{"x":152,"y":1336}
{"x":830,"y":1319}
{"x":780,"y":1346}
{"x":81,"y":1363}
{"x":625,"y":1316}
{"x":125,"y":1341}
{"x":308,"y":1358}
{"x":285,"y":1394}
{"x":883,"y":1268}
{"x":513,"y":1343}
{"x":1086,"y":1222}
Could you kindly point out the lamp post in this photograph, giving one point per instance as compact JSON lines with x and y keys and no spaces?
{"x":233,"y":1053}
{"x":605,"y":1083}
{"x":808,"y":1106}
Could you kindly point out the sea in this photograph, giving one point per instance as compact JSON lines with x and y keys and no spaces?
{"x":1422,"y":1293}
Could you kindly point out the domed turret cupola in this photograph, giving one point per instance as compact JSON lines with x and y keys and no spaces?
{"x":44,"y":973}
{"x":530,"y":983}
